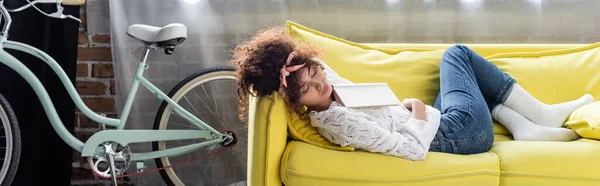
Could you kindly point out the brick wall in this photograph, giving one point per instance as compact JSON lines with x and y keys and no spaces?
{"x":95,"y":84}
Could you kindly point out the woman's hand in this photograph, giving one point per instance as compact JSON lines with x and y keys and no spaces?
{"x":417,"y":107}
{"x":408,"y":103}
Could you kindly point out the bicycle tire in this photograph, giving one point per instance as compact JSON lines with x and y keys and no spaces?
{"x":12,"y":132}
{"x":162,"y":121}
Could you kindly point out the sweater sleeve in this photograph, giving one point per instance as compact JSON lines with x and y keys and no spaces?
{"x":332,"y":76}
{"x":346,"y":128}
{"x":426,"y":129}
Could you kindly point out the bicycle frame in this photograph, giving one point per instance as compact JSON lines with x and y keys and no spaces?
{"x":123,"y":137}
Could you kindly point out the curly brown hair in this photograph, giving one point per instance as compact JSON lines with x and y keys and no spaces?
{"x":258,"y":63}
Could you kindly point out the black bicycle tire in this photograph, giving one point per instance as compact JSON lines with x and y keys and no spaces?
{"x":16,"y":133}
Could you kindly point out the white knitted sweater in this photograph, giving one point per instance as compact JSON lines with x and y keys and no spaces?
{"x":388,"y":130}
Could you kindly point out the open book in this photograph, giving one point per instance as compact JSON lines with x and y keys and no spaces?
{"x":365,"y":95}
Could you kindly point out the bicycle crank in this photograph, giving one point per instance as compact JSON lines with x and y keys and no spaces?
{"x":101,"y":164}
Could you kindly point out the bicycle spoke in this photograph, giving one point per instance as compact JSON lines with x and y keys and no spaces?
{"x":188,"y":126}
{"x":238,"y":157}
{"x":182,"y":117}
{"x":201,"y":118}
{"x":210,"y":109}
{"x":212,"y":88}
{"x":240,"y":129}
{"x":192,"y":105}
{"x":211,"y":164}
{"x":205,"y":173}
{"x":226,"y":166}
{"x":205,"y":93}
{"x":207,"y":106}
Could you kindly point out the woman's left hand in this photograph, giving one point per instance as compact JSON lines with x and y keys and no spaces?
{"x":417,"y":107}
{"x":408,"y":102}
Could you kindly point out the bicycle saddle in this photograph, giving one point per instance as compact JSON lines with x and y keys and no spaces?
{"x":171,"y":34}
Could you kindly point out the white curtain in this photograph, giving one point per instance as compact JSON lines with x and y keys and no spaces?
{"x":216,"y":26}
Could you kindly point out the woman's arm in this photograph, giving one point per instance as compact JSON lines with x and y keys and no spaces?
{"x":347,"y":128}
{"x":427,"y":129}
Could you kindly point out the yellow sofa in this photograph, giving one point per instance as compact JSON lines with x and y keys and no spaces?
{"x":277,"y":159}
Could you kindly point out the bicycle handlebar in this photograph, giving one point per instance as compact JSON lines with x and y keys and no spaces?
{"x":58,"y":14}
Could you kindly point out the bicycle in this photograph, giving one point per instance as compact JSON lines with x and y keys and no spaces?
{"x":107,"y":151}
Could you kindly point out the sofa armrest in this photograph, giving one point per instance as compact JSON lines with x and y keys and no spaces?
{"x":267,"y":138}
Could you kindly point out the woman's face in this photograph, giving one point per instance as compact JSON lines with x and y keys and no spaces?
{"x":315,"y":92}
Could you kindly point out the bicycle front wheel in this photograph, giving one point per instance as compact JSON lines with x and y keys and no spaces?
{"x":10,"y":142}
{"x":211,"y":96}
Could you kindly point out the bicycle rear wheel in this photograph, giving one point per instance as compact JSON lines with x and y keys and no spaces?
{"x":10,"y":142}
{"x":211,"y":96}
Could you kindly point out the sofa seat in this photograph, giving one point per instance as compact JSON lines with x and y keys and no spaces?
{"x":549,"y":163}
{"x":507,"y":163}
{"x":304,"y":164}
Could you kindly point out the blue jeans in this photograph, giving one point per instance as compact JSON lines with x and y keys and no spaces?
{"x":470,"y":86}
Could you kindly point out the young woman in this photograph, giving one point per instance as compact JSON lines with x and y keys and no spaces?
{"x":472,"y":92}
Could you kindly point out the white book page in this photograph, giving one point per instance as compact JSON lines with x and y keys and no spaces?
{"x":365,"y":95}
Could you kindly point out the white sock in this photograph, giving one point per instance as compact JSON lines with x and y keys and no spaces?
{"x":523,"y":129}
{"x":540,"y":113}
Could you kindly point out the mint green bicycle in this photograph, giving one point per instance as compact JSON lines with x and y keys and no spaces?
{"x":180,"y":126}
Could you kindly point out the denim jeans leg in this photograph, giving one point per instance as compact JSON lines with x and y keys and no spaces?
{"x":466,"y":123}
{"x":494,"y":84}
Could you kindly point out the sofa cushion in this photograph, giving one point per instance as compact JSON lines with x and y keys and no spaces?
{"x":305,"y":164}
{"x":586,"y":120}
{"x":302,"y":131}
{"x":549,"y":163}
{"x":557,"y":75}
